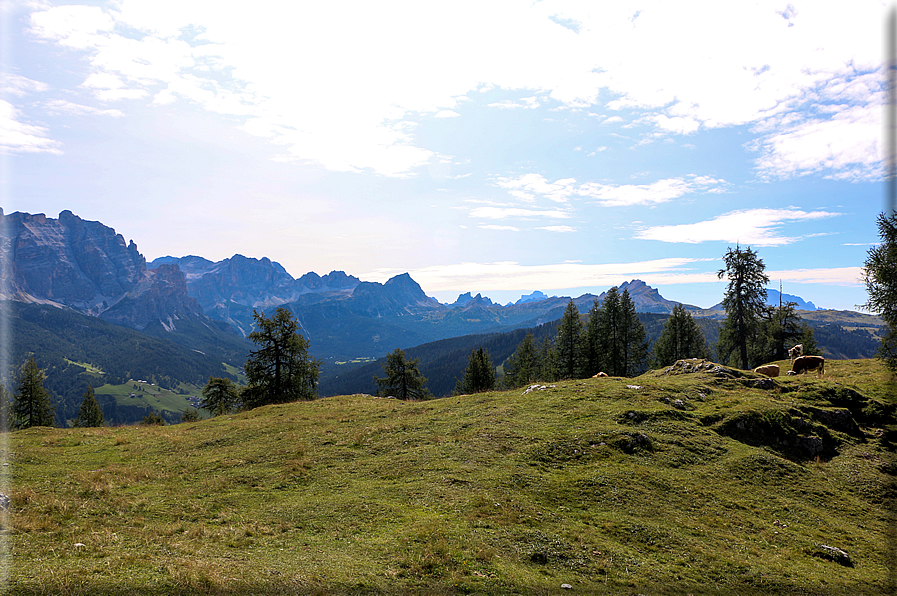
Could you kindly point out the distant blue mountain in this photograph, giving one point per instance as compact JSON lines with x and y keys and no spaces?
{"x":466,"y":298}
{"x":536,"y":296}
{"x":772,"y":299}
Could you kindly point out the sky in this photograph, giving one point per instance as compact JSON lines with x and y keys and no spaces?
{"x":493,"y":147}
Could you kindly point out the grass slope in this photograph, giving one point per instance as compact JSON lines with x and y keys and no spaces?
{"x":689,"y":480}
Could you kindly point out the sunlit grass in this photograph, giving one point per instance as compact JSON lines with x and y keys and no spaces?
{"x":608,"y":485}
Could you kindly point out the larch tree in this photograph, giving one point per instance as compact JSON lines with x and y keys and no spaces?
{"x":880,"y":275}
{"x":744,"y":302}
{"x":633,"y":338}
{"x":681,"y":338}
{"x":592,"y":355}
{"x":479,"y":375}
{"x":281,"y":370}
{"x":89,"y":414}
{"x":610,"y":334}
{"x":568,"y":349}
{"x":522,"y":367}
{"x":403,"y":378}
{"x":32,"y":405}
{"x":220,"y":396}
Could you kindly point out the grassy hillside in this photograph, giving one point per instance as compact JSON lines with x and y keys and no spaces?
{"x":690,"y":480}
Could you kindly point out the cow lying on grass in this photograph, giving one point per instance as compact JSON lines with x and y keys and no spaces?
{"x":770,"y":370}
{"x":806,"y":363}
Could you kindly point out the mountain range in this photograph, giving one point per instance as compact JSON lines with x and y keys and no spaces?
{"x":202,"y":310}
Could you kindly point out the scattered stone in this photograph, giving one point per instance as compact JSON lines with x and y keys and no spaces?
{"x":678,"y":404}
{"x":4,"y":502}
{"x":566,"y":586}
{"x":766,"y":384}
{"x":636,"y":387}
{"x":80,"y":545}
{"x":833,"y":554}
{"x":538,"y":388}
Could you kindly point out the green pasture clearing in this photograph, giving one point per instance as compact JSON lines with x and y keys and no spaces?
{"x":689,"y":480}
{"x":86,"y":366}
{"x":152,"y":396}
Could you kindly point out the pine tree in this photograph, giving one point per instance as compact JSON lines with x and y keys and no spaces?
{"x":220,"y":396}
{"x":744,"y":301}
{"x":281,"y":370}
{"x":479,"y":375}
{"x":522,"y":367}
{"x":403,"y":378}
{"x":32,"y":405}
{"x":633,"y":340}
{"x":568,"y":347}
{"x":781,"y":328}
{"x":880,"y":274}
{"x":681,"y":338}
{"x":89,"y":414}
{"x":190,"y":415}
{"x":610,"y":334}
{"x":548,"y":369}
{"x":592,"y":355}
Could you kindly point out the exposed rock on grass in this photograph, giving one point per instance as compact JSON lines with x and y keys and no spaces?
{"x":834,"y":554}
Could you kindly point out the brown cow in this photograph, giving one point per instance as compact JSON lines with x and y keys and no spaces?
{"x":796,"y":352}
{"x":770,"y":370}
{"x":600,"y":375}
{"x":806,"y":363}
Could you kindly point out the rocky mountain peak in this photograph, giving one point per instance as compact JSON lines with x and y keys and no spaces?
{"x":84,"y":265}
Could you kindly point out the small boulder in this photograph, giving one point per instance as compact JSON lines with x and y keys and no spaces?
{"x":833,"y":554}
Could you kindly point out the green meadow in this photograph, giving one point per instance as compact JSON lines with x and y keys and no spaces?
{"x":695,"y":479}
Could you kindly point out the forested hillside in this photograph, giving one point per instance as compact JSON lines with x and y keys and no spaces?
{"x":77,"y":350}
{"x":839,"y":334}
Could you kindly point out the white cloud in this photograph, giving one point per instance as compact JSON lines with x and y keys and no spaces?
{"x":447,"y":114}
{"x":662,"y":191}
{"x":561,"y":229}
{"x":839,"y":276}
{"x":529,"y":186}
{"x":501,"y":228}
{"x":509,"y":275}
{"x":530,"y":103}
{"x":13,"y":84}
{"x":504,"y":212}
{"x":60,"y":106}
{"x":21,"y":137}
{"x":758,"y":227}
{"x":327,"y":84}
{"x":844,"y":146}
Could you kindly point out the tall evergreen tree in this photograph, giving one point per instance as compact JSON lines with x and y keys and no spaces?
{"x":568,"y":348}
{"x":281,"y":370}
{"x":89,"y":414}
{"x":403,"y":378}
{"x":744,"y":301}
{"x":611,"y":334}
{"x":880,"y":275}
{"x":479,"y":375}
{"x":32,"y":405}
{"x":633,"y":338}
{"x":681,"y":338}
{"x":592,"y":356}
{"x":548,"y":368}
{"x":522,"y":367}
{"x":781,"y":328}
{"x":220,"y":396}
